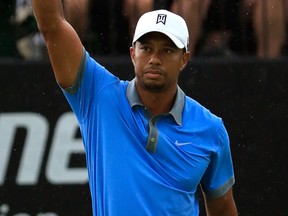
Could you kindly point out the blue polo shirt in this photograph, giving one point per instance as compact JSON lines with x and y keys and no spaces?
{"x":145,"y":165}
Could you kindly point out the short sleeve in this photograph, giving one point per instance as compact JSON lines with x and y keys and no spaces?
{"x":219,"y":176}
{"x":92,"y":78}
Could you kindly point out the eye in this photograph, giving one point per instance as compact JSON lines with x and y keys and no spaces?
{"x":145,"y":48}
{"x":168,"y":50}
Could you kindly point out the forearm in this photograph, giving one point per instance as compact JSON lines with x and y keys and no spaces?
{"x":64,"y":46}
{"x":47,"y":13}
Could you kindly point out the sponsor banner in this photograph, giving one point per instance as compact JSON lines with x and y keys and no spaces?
{"x":42,"y":160}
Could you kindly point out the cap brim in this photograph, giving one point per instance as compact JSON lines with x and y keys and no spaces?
{"x":175,"y":40}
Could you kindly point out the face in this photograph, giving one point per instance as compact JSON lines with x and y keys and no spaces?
{"x":157,"y":62}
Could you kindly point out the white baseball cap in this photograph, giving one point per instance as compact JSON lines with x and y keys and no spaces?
{"x":166,"y":22}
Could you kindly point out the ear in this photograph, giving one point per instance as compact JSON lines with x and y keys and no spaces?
{"x":132,"y":54}
{"x":185,"y":59}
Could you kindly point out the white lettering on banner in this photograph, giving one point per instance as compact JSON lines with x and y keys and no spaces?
{"x":35,"y":144}
{"x":63,"y":145}
{"x":37,"y":133}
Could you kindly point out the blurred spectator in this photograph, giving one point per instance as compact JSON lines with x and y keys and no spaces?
{"x":245,"y":27}
{"x":108,"y":29}
{"x":77,"y":14}
{"x":217,"y":27}
{"x":221,"y":30}
{"x":7,"y":35}
{"x":193,"y":11}
{"x":269,"y":25}
{"x":30,"y":43}
{"x":133,"y":9}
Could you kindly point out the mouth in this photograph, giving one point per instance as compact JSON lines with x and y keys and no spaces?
{"x":153,"y":73}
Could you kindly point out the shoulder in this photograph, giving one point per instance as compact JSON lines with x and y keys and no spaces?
{"x":91,"y":76}
{"x":89,"y":63}
{"x":96,"y":73}
{"x":196,"y":112}
{"x":207,"y":124}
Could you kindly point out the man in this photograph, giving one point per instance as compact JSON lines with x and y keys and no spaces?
{"x":148,"y":146}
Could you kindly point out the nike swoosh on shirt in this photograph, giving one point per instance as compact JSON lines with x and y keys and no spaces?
{"x":182,"y":143}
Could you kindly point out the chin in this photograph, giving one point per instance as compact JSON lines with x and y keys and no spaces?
{"x":153,"y":87}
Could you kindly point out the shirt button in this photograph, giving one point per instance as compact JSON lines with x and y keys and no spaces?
{"x":152,"y":140}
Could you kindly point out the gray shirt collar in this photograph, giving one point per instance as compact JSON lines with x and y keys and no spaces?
{"x":176,"y":110}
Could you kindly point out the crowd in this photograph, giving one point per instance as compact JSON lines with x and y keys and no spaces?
{"x":217,"y":27}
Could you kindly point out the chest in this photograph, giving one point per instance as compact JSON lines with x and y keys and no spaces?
{"x":177,"y":155}
{"x":181,"y":155}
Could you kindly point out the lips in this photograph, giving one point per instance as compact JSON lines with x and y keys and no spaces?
{"x":153,"y":73}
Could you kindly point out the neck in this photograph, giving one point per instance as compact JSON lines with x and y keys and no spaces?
{"x":159,"y":102}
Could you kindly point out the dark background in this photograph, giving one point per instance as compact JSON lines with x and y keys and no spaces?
{"x":249,"y":94}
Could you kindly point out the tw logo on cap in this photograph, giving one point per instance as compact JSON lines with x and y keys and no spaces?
{"x":161,"y":18}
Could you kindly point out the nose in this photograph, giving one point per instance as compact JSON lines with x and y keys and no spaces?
{"x":155,"y":58}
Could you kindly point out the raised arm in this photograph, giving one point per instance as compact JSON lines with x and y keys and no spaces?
{"x":64,"y":46}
